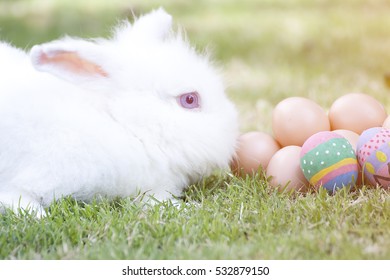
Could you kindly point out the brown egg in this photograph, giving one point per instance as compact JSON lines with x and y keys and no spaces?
{"x":284,"y":167}
{"x":255,"y":149}
{"x":356,"y":112}
{"x":296,"y":118}
{"x":386,"y":123}
{"x":351,"y":136}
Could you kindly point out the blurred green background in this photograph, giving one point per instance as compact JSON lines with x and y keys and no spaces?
{"x":269,"y":49}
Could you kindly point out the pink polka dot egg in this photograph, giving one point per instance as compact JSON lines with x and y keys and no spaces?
{"x":373,"y":153}
{"x":328,"y":160}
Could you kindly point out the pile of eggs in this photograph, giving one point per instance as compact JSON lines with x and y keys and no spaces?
{"x":348,"y":146}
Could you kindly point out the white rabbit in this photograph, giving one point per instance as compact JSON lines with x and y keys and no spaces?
{"x":139,"y":112}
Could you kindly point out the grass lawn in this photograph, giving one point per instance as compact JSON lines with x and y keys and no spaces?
{"x":270,"y":50}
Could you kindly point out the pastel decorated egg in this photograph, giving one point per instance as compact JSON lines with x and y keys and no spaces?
{"x":373,"y":153}
{"x":327,"y":159}
{"x":351,"y":136}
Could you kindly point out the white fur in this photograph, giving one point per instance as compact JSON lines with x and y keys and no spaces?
{"x":115,"y":132}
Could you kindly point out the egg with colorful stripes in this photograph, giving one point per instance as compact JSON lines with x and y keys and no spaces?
{"x":373,"y":153}
{"x":328,"y":160}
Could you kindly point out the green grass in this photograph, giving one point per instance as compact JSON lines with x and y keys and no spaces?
{"x":239,"y":219}
{"x":269,"y":50}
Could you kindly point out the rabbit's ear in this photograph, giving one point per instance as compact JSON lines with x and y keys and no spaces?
{"x":71,"y":60}
{"x":155,"y":26}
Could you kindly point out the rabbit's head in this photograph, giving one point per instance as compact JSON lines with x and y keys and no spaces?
{"x":159,"y":89}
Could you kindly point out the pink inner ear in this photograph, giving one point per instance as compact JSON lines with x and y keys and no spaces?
{"x":72,"y":62}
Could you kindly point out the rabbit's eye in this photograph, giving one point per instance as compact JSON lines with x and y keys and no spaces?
{"x":189,"y":100}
